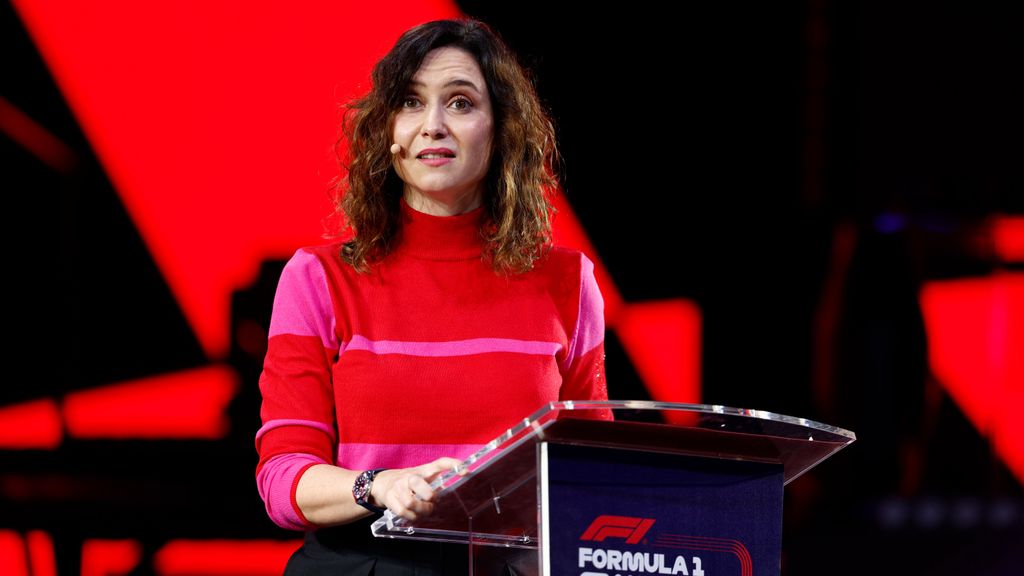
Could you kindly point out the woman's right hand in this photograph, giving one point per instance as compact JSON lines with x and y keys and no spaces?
{"x":406,"y":491}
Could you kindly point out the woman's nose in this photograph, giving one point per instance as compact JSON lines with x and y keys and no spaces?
{"x":434,"y":124}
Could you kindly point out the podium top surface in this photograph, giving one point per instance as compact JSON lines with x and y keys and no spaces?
{"x":696,"y":429}
{"x":508,"y":462}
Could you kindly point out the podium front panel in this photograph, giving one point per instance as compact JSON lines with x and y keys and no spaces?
{"x":613,"y":511}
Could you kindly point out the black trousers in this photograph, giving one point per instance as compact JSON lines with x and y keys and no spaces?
{"x":351,"y":550}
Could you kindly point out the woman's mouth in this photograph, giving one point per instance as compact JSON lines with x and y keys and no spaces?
{"x":436,"y":156}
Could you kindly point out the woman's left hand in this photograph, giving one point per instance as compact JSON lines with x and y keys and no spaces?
{"x":406,"y":491}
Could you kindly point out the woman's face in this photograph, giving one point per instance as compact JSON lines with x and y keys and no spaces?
{"x":446,"y":128}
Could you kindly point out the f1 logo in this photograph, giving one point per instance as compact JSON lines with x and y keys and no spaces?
{"x":632,"y":529}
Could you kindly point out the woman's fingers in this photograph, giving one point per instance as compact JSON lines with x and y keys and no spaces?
{"x":399,"y":498}
{"x":420,"y":488}
{"x":434,"y":469}
{"x":408,"y":492}
{"x":409,"y":495}
{"x":448,"y":463}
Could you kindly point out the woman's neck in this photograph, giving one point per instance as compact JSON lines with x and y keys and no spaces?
{"x":443,"y":206}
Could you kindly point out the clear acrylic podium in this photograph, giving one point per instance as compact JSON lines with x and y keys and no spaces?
{"x":626,"y":488}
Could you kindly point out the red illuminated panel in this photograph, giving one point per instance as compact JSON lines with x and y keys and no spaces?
{"x":217,"y":140}
{"x":13,"y":560}
{"x":40,"y":553}
{"x":224,"y":557}
{"x":662,"y":339}
{"x":110,"y":557}
{"x":975,"y":333}
{"x":187,"y":404}
{"x":30,"y":425}
{"x":1008,"y":236}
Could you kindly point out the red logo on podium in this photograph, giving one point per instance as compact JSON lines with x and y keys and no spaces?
{"x":629,"y":528}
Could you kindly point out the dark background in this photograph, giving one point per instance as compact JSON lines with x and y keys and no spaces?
{"x":723,"y":152}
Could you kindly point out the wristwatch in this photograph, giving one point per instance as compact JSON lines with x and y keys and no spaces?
{"x":361,"y":490}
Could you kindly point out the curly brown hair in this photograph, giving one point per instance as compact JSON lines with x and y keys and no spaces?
{"x":525,"y":162}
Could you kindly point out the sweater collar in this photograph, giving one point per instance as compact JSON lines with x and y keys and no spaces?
{"x":440,"y":237}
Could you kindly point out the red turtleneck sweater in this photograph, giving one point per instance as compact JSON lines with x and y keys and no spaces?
{"x":429,"y":354}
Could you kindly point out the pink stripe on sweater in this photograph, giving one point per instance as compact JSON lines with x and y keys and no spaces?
{"x":302,"y":305}
{"x":453,"y":347}
{"x":589,"y":330}
{"x":271,"y":424}
{"x":275,"y":481}
{"x":361,"y":456}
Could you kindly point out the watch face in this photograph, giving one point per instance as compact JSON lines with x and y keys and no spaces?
{"x":361,"y":490}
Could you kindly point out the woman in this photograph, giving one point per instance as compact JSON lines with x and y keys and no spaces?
{"x":446,"y":318}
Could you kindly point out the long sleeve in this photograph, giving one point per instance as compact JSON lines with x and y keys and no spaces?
{"x":298,"y":404}
{"x":583,"y":376}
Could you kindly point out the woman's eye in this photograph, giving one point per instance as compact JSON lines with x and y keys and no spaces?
{"x":462,"y":104}
{"x":409,"y":102}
